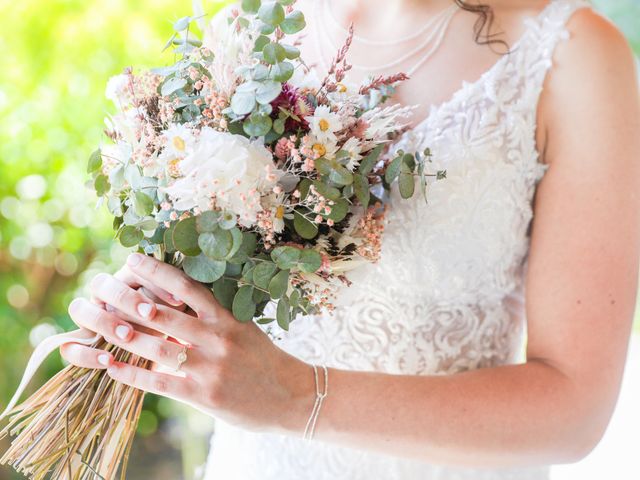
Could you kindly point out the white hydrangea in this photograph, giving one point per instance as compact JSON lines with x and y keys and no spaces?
{"x":227,"y":171}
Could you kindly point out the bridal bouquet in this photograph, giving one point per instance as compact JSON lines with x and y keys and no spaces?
{"x":234,"y":166}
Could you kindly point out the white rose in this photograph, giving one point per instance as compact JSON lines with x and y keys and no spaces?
{"x":226,"y":169}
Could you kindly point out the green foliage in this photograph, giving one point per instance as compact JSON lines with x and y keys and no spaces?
{"x":57,"y":56}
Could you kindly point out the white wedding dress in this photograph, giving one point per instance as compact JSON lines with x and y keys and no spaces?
{"x":447,"y":294}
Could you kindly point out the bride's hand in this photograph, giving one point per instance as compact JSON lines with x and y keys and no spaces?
{"x":233,"y":370}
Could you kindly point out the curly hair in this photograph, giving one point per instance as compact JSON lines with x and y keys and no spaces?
{"x":482,"y":28}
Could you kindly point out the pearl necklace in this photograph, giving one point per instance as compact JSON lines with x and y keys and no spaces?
{"x":327,"y":12}
{"x":441,"y":22}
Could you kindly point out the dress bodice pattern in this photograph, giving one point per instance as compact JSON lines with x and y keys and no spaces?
{"x":447,"y":294}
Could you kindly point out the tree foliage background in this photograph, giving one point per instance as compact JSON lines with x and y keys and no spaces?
{"x":56,"y":58}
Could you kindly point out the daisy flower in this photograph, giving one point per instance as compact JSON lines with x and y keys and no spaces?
{"x":353,"y":148}
{"x":324,"y":124}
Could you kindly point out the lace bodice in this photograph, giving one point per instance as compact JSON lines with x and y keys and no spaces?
{"x":446,"y":295}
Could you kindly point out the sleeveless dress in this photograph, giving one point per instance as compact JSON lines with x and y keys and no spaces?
{"x":447,"y":294}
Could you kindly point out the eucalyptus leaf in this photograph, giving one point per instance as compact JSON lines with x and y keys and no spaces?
{"x":185,"y":237}
{"x":224,"y":289}
{"x":268,"y":91}
{"x":290,"y":51}
{"x":257,"y":124}
{"x":263,"y":274}
{"x":168,"y":239}
{"x":310,"y":261}
{"x":207,"y":221}
{"x":294,"y":298}
{"x":216,"y":245}
{"x":261,"y":41}
{"x":339,"y":210}
{"x":182,"y":24}
{"x":95,"y":162}
{"x":101,"y":185}
{"x":243,"y":306}
{"x":203,"y":269}
{"x":142,"y":204}
{"x":237,"y":238}
{"x":323,"y":166}
{"x":279,"y":284}
{"x":304,"y":227}
{"x":130,"y":236}
{"x":285,"y":257}
{"x":368,"y":162}
{"x":171,"y":85}
{"x":281,"y":72}
{"x":243,"y":103}
{"x":361,"y":188}
{"x":274,"y":53}
{"x":406,"y":184}
{"x":393,"y":170}
{"x":250,"y":6}
{"x":293,"y":23}
{"x":340,"y":175}
{"x":271,"y":13}
{"x":283,"y":313}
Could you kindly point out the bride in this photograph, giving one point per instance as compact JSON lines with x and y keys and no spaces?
{"x":532,"y":108}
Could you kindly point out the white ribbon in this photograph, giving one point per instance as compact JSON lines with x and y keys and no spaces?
{"x":38,"y":356}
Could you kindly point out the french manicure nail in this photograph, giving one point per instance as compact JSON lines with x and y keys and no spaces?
{"x":144,"y":309}
{"x":103,"y":359}
{"x":134,"y":259}
{"x":122,"y":332}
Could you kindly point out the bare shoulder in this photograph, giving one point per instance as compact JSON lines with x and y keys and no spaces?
{"x":593,"y":83}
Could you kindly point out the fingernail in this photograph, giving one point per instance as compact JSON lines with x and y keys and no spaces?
{"x":134,"y":259}
{"x":109,"y":308}
{"x":74,"y":305}
{"x":122,"y":332}
{"x":144,"y":309}
{"x":176,"y":299}
{"x":103,"y":359}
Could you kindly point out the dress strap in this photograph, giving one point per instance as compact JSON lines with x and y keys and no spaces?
{"x":533,"y":55}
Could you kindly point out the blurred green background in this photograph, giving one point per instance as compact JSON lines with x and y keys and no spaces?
{"x":56,"y":58}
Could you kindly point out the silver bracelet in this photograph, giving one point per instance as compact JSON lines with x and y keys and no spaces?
{"x":320,"y":396}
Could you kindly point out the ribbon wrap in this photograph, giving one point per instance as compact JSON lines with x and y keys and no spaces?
{"x":41,"y":352}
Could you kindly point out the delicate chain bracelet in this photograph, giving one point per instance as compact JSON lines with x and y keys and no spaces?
{"x":320,"y":395}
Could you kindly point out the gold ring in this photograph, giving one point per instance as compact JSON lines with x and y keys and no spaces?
{"x":182,"y":357}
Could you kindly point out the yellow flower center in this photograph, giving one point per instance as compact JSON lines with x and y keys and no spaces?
{"x":323,"y":124}
{"x":342,"y":88}
{"x":178,"y":144}
{"x":319,"y":149}
{"x":280,"y":212}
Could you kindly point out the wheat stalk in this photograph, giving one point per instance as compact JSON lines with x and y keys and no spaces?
{"x":79,"y":425}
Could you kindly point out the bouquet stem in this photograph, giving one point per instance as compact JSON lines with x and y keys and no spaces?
{"x":80,"y":425}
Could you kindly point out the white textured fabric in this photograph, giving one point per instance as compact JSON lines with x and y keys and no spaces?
{"x":446,"y":296}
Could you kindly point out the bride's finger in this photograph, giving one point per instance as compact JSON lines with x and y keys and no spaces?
{"x":172,"y":386}
{"x":169,"y":321}
{"x":118,"y":294}
{"x":173,"y":280}
{"x":128,"y":277}
{"x":85,"y":357}
{"x":122,"y":334}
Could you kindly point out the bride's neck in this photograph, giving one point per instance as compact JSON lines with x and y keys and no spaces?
{"x":387,"y":15}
